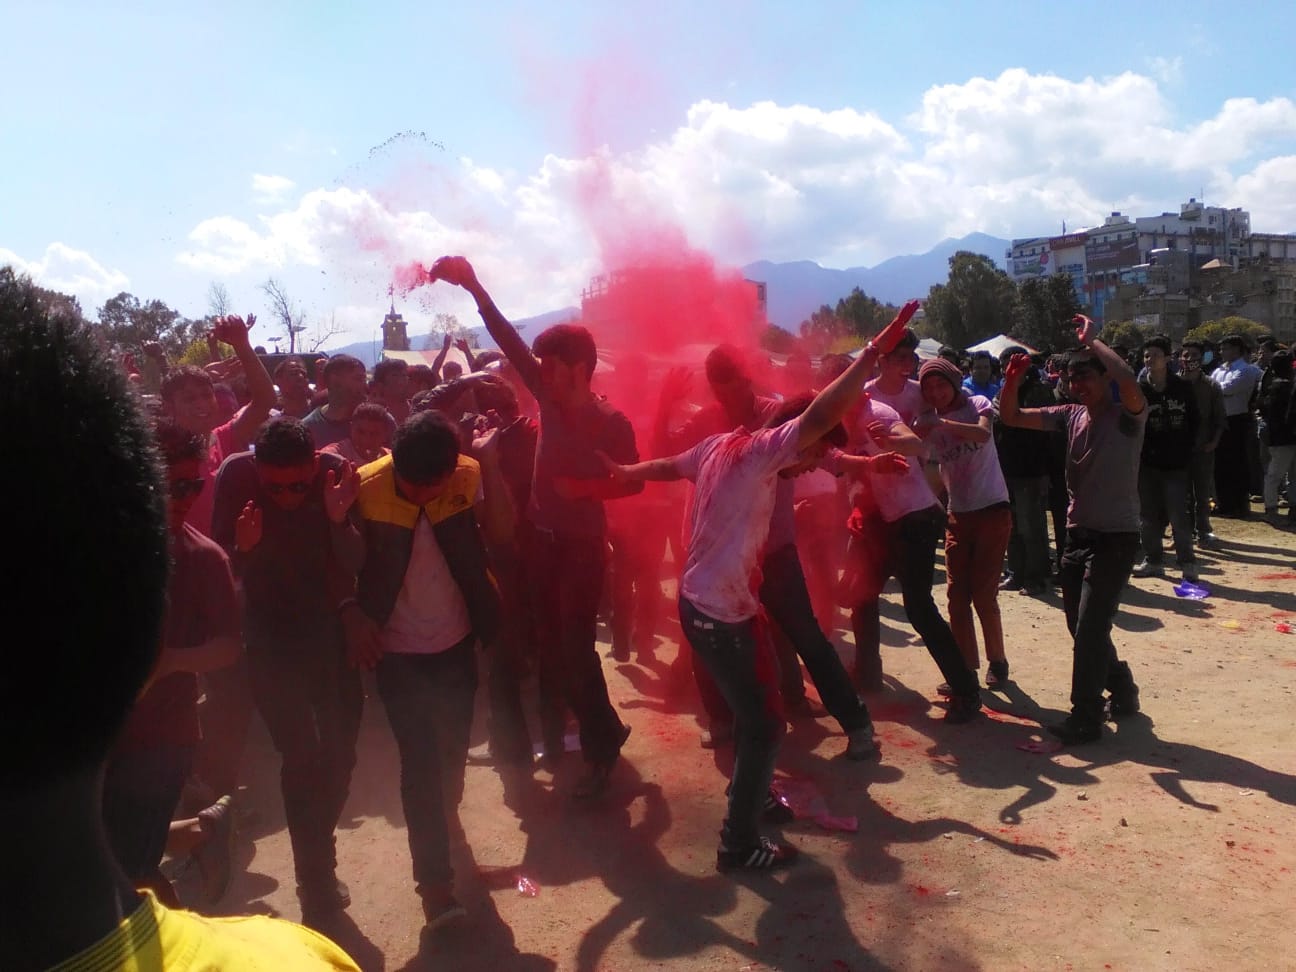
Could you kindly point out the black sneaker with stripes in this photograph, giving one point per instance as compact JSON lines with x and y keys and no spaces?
{"x":761,"y":856}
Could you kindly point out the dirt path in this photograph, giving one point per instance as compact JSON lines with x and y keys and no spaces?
{"x":1167,"y":846}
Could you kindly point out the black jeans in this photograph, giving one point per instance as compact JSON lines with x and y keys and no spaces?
{"x":1232,"y":469}
{"x":1028,"y":545}
{"x":1095,"y":569}
{"x":429,"y":703}
{"x":908,"y":552}
{"x":140,"y":791}
{"x":786,"y":598}
{"x":311,"y":701}
{"x":566,"y":574}
{"x":745,"y":674}
{"x":509,"y":655}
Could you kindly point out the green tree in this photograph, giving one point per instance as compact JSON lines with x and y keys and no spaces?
{"x":977,"y":301}
{"x":863,"y":315}
{"x":1218,"y":330}
{"x":778,"y":341}
{"x":1045,"y":308}
{"x":1126,"y":334}
{"x":820,"y":329}
{"x":128,"y":324}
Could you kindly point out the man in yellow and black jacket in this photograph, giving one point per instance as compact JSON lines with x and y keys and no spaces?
{"x":424,"y":598}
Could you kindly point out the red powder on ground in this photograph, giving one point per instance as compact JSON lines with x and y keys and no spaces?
{"x":1281,"y":575}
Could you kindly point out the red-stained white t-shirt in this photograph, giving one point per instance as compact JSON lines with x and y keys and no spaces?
{"x":735,"y":477}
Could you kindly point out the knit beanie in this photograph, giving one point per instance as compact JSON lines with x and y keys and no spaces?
{"x":946,"y":369}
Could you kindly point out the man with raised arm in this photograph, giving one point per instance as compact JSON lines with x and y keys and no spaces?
{"x":568,"y":555}
{"x":1104,"y":441}
{"x":735,"y":475}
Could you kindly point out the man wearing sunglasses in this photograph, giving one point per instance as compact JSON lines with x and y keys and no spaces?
{"x":281,"y":513}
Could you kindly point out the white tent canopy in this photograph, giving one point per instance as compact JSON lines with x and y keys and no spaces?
{"x":999,"y":343}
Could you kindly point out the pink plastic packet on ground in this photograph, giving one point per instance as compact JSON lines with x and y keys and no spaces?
{"x":526,"y":887}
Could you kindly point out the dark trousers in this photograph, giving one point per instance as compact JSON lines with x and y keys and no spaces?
{"x":140,"y":792}
{"x":1201,"y":486}
{"x":1163,"y":498}
{"x":1058,"y":502}
{"x":786,"y":598}
{"x":1028,"y":544}
{"x":745,"y":674}
{"x":311,"y":701}
{"x":1095,"y":569}
{"x":508,"y":656}
{"x":906,"y":550}
{"x":429,"y":703}
{"x":635,"y":577}
{"x":566,"y":574}
{"x":1232,"y":466}
{"x":226,"y":715}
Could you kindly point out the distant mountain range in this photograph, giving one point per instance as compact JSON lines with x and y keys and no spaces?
{"x":796,"y":290}
{"x":793,"y":290}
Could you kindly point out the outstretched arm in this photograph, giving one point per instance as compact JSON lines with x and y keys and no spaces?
{"x":654,"y":470}
{"x":439,"y":360}
{"x":831,"y":404}
{"x":458,"y":271}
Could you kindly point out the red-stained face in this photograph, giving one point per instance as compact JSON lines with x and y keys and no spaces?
{"x":735,"y":397}
{"x":287,"y":486}
{"x":420,"y":494}
{"x":368,"y":436}
{"x":900,"y":363}
{"x":194,"y":407}
{"x":807,"y":460}
{"x":560,"y":381}
{"x":184,"y":485}
{"x":937,"y":392}
{"x":293,"y":382}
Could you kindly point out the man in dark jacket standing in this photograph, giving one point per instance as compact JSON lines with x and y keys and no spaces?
{"x":1164,"y":465}
{"x":423,"y":599}
{"x":1024,"y":459}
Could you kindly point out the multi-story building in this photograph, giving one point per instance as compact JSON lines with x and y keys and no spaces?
{"x":1173,"y":271}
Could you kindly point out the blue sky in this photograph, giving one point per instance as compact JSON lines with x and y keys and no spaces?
{"x":160,"y":148}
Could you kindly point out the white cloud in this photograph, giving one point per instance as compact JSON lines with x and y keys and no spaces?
{"x":70,"y":271}
{"x":270,"y":188}
{"x":1012,"y":155}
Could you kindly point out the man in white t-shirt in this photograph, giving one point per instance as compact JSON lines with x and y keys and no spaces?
{"x":423,"y":599}
{"x":735,"y":475}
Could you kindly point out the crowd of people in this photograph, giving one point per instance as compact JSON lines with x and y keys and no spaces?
{"x":424,"y":521}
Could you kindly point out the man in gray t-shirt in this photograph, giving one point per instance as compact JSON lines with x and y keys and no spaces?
{"x":1104,"y":441}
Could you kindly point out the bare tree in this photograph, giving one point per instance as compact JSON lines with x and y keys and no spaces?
{"x":443,"y":324}
{"x":218,"y":300}
{"x":324,"y":334}
{"x":290,"y":317}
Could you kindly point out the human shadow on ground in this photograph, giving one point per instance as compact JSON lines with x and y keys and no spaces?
{"x":483,"y":940}
{"x":1016,"y":718}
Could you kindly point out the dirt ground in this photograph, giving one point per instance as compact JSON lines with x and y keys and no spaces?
{"x":1166,"y":846}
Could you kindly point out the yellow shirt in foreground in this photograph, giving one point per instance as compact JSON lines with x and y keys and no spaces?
{"x":157,"y":939}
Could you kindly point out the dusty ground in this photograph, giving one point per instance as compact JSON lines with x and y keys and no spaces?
{"x":1167,"y":846}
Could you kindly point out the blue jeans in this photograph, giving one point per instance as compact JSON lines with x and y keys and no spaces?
{"x":429,"y":703}
{"x":747,"y":678}
{"x":1028,"y":550}
{"x":1095,"y":569}
{"x":1163,"y":498}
